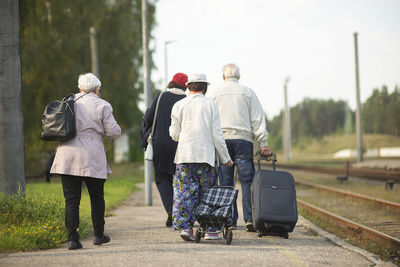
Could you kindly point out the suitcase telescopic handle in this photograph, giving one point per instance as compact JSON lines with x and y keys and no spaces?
{"x":271,"y":157}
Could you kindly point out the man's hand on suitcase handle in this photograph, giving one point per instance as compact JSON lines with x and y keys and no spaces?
{"x":268,"y":157}
{"x":265,"y":151}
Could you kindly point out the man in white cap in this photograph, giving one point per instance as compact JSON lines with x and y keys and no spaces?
{"x":195,"y":125}
{"x":242,"y":121}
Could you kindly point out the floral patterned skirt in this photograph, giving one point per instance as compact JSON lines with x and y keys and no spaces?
{"x":190,"y":180}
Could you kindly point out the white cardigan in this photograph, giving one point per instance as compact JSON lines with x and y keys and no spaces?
{"x":195,"y":125}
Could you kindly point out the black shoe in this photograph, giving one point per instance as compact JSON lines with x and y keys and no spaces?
{"x":250,"y":227}
{"x":74,"y":245}
{"x":101,"y":240}
{"x":168,"y":223}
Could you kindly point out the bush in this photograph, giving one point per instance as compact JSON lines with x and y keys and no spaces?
{"x":33,"y":221}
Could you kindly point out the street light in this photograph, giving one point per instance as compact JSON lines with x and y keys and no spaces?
{"x":166,"y":59}
{"x":286,"y":126}
{"x":360,"y":149}
{"x":148,"y":166}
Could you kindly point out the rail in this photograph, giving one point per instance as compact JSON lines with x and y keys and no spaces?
{"x":385,"y":203}
{"x":373,"y":174}
{"x":366,"y":232}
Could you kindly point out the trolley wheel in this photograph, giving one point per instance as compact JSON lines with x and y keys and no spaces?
{"x":197,"y":236}
{"x":260,"y":234}
{"x":286,"y":235}
{"x":229,"y":236}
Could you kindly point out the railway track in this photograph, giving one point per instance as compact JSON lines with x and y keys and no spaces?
{"x":374,"y":174}
{"x":384,"y":203}
{"x":365,"y":233}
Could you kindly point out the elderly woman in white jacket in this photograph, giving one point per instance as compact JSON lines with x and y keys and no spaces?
{"x":83,"y":158}
{"x":195,"y":125}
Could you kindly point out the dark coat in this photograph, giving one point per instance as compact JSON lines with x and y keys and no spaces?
{"x":164,"y":147}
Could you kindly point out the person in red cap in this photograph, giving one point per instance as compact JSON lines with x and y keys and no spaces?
{"x":163,"y":146}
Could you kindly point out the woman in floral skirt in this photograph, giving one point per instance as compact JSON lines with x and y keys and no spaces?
{"x":195,"y":125}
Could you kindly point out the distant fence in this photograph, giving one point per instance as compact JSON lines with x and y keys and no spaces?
{"x":382,"y":152}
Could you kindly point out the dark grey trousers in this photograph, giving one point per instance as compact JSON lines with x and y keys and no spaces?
{"x":164,"y":186}
{"x":72,"y":187}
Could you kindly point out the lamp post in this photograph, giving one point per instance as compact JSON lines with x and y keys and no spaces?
{"x":358,"y":111}
{"x":93,"y":51}
{"x":148,"y":166}
{"x":286,"y":126}
{"x":166,"y":59}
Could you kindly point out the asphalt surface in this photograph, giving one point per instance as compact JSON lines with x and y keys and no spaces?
{"x":139,"y":238}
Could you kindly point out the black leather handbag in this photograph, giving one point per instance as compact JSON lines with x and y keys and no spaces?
{"x":58,"y":120}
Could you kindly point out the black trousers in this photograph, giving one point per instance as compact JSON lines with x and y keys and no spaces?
{"x":164,"y":186}
{"x":72,"y":186}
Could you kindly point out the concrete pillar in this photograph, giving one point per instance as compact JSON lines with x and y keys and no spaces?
{"x":12,"y":156}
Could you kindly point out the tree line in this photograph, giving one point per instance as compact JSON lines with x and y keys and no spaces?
{"x":55,"y":49}
{"x":381,"y":112}
{"x":315,"y":118}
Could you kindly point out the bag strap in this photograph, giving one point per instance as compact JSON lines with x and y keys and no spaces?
{"x":67,"y":97}
{"x":80,"y":97}
{"x":155,"y":116}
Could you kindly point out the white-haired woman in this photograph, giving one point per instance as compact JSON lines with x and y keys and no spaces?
{"x":83,"y":158}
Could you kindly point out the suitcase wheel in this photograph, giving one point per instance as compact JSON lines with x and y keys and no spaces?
{"x":286,"y":235}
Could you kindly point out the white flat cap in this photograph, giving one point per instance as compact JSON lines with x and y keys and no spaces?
{"x":197,"y":78}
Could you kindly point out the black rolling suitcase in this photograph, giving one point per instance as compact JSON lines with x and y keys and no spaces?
{"x":274,"y":205}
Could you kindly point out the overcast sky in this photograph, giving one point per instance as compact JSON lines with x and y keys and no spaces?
{"x":310,"y":41}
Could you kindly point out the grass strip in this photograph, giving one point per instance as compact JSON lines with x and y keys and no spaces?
{"x":35,"y":220}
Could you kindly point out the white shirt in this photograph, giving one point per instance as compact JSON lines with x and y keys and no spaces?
{"x":195,"y":125}
{"x":242,"y":116}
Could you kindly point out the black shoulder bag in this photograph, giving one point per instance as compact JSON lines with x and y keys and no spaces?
{"x":58,"y":120}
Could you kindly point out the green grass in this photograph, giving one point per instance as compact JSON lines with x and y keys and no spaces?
{"x":324,"y":164}
{"x":324,"y":148}
{"x":36,"y":220}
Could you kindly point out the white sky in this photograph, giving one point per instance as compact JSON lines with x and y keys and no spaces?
{"x":310,"y":41}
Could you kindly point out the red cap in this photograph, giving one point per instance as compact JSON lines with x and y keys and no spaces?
{"x":180,"y":78}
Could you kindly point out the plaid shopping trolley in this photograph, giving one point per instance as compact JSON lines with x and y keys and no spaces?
{"x":215,"y":212}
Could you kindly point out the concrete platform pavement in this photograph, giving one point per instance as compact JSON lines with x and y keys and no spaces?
{"x":139,"y":238}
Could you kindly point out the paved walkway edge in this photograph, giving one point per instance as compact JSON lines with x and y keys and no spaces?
{"x":340,"y":242}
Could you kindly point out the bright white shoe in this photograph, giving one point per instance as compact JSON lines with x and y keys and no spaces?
{"x":187,"y":235}
{"x":211,"y":236}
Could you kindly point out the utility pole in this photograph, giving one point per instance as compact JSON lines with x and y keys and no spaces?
{"x":286,"y":126}
{"x":12,"y":157}
{"x":360,"y":150}
{"x":148,"y":166}
{"x":93,"y":51}
{"x":166,"y":60}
